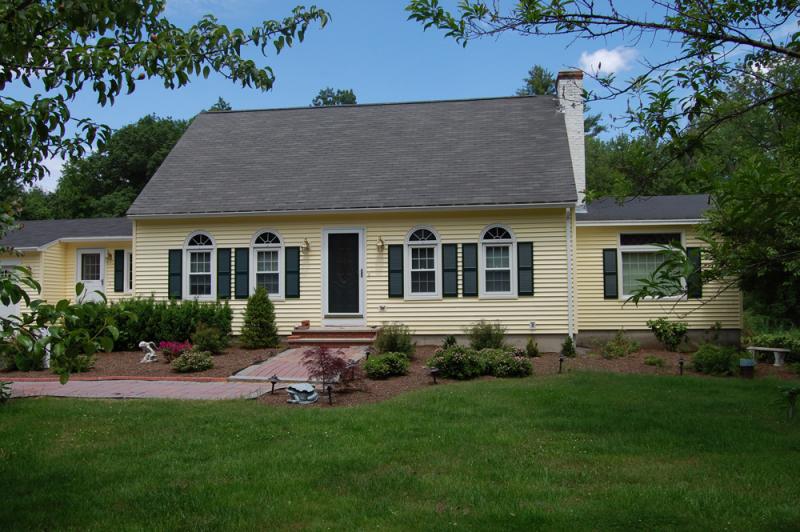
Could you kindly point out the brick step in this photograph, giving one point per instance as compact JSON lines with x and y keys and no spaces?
{"x":329,"y":340}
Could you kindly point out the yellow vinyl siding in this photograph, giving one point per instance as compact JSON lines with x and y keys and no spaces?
{"x":595,"y":313}
{"x":32,"y":260}
{"x":70,"y":251}
{"x":545,"y":228}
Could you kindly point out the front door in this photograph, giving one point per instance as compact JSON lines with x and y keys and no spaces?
{"x":91,"y":272}
{"x":13,"y":308}
{"x":344,"y":274}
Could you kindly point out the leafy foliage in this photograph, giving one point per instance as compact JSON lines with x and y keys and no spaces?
{"x":652,"y":360}
{"x":484,"y":334}
{"x":568,"y":347}
{"x":193,"y":360}
{"x":458,"y":362}
{"x":323,"y":364}
{"x":619,"y":346}
{"x":531,"y":348}
{"x":715,"y":360}
{"x":449,"y":341}
{"x":671,"y":334}
{"x":539,"y":82}
{"x":387,"y":365}
{"x":5,"y":392}
{"x":259,"y":329}
{"x":172,"y":350}
{"x":329,"y":97}
{"x":209,"y":339}
{"x":220,"y":105}
{"x":503,"y":363}
{"x":394,"y":338}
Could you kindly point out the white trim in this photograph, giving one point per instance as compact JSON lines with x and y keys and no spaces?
{"x":127,"y":284}
{"x":280,"y":248}
{"x":360,"y":317}
{"x":501,"y":206}
{"x":512,"y":255}
{"x":649,"y":248}
{"x":437,"y":264}
{"x":601,"y":223}
{"x":78,"y":277}
{"x":211,"y":250}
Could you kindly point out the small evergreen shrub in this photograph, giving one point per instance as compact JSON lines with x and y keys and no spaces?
{"x":671,"y":334}
{"x":715,"y":360}
{"x":192,"y":361}
{"x":449,"y":341}
{"x":458,"y":362}
{"x":531,"y":348}
{"x":210,"y":339}
{"x":486,"y":335}
{"x":394,"y":338}
{"x":172,"y":350}
{"x":387,"y":365}
{"x":619,"y":346}
{"x":568,"y":347}
{"x":259,"y":329}
{"x":652,"y":360}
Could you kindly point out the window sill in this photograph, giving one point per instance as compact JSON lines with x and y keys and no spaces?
{"x":498,"y":296}
{"x":423,"y":297}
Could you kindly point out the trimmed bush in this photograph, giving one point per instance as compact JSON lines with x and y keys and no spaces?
{"x":568,"y":348}
{"x":458,"y":362}
{"x":387,"y":365}
{"x":619,"y":346}
{"x":671,"y":334}
{"x":503,"y":363}
{"x":394,"y":338}
{"x":531,"y":348}
{"x":715,"y":360}
{"x":259,"y":330}
{"x":210,"y":339}
{"x":652,"y":360}
{"x":192,"y":361}
{"x":486,"y":335}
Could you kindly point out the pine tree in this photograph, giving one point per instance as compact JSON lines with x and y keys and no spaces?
{"x":259,"y":328}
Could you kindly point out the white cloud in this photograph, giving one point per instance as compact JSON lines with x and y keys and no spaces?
{"x":604,"y":61}
{"x":55,"y":165}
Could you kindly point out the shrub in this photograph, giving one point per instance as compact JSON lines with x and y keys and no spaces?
{"x":715,"y":360}
{"x":193,"y":360}
{"x":787,"y":340}
{"x":449,"y":341}
{"x":324,"y":364}
{"x":394,"y":338}
{"x":259,"y":328}
{"x":210,"y":339}
{"x":386,"y":365}
{"x":172,"y":350}
{"x":670,"y":333}
{"x":503,"y":363}
{"x":5,"y":391}
{"x":619,"y":346}
{"x":458,"y":362}
{"x":795,"y":367}
{"x":484,"y":334}
{"x":652,"y":360}
{"x":568,"y":347}
{"x":531,"y":348}
{"x":14,"y":356}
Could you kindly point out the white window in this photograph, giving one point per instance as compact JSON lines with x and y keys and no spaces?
{"x":497,"y":263}
{"x":266,"y":263}
{"x":200,"y":263}
{"x":641,"y":255}
{"x":423,"y":263}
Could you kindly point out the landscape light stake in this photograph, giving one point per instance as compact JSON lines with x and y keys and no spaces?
{"x":680,"y":365}
{"x":330,"y":395}
{"x":274,"y":380}
{"x":434,"y":371}
{"x":560,"y":363}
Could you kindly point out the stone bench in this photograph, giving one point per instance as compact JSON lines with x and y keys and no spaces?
{"x":778,"y":353}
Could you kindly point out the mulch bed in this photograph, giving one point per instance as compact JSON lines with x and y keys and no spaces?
{"x":126,"y":363}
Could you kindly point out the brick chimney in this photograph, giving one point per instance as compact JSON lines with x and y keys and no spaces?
{"x":569,"y":87}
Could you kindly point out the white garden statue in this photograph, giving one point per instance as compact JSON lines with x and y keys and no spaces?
{"x":149,"y":350}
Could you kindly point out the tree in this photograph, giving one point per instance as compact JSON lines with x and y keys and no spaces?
{"x":259,"y":328}
{"x":328,"y":97}
{"x":221,"y":105}
{"x":539,"y":82}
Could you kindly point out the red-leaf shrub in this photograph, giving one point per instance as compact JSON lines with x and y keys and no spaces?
{"x":323,"y":364}
{"x":173,"y":350}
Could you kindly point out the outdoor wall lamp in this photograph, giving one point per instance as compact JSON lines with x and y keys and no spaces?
{"x":306,"y":245}
{"x":380,"y":245}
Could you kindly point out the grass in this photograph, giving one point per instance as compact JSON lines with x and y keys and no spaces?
{"x":579,"y":451}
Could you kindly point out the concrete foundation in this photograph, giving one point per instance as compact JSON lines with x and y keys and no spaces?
{"x":646,"y":338}
{"x":548,"y":343}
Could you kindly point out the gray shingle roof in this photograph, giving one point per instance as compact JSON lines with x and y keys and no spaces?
{"x":425,"y":154}
{"x":35,"y":233}
{"x":686,"y":207}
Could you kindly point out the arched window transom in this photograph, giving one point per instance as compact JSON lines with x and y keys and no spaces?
{"x":267,"y":238}
{"x":200,"y":239}
{"x":422,"y":235}
{"x":496,"y":233}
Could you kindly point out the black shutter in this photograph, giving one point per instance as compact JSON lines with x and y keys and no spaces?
{"x":450,"y":270}
{"x":292,"y":274}
{"x":119,"y":270}
{"x":694,"y":283}
{"x":525,"y":268}
{"x":469,"y":269}
{"x":242,"y":290}
{"x":395,"y":270}
{"x":610,"y":290}
{"x":175,"y":282}
{"x":224,"y":273}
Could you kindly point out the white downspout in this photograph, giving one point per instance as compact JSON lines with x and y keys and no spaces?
{"x":570,"y":295}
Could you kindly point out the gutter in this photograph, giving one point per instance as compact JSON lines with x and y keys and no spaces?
{"x":46,"y":246}
{"x":601,"y":223}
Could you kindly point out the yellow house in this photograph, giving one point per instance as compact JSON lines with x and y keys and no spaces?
{"x":432,"y":214}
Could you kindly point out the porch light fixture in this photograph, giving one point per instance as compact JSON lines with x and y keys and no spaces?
{"x":306,"y":245}
{"x":560,"y":363}
{"x":434,"y":372}
{"x":274,"y":380}
{"x":680,"y":365}
{"x":380,"y":245}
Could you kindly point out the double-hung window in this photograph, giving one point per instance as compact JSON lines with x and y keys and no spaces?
{"x":497,"y":263}
{"x":424,"y":264}
{"x":640,"y":256}
{"x":200,"y":264}
{"x":267,"y":258}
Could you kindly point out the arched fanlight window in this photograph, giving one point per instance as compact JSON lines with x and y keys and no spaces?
{"x":423,"y":263}
{"x":497,"y":262}
{"x":266,"y":259}
{"x":200,"y":260}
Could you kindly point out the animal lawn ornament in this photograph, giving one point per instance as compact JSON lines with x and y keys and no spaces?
{"x":149,"y":350}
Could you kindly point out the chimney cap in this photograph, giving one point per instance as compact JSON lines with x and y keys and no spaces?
{"x":570,"y":74}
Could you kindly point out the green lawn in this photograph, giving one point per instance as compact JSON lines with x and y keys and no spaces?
{"x":580,"y":451}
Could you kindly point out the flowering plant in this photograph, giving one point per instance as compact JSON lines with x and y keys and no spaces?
{"x":173,"y":350}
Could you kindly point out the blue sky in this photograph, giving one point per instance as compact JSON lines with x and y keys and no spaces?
{"x":369,"y":46}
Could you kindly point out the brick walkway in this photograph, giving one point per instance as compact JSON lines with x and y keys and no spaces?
{"x":288,"y":365}
{"x":138,"y":389}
